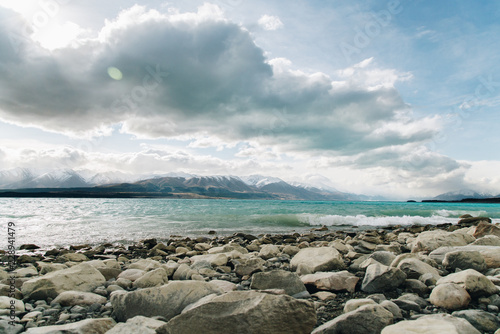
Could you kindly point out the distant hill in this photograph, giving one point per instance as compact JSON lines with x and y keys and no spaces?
{"x":461,"y":194}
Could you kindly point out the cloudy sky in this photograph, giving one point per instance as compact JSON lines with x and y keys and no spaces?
{"x":396,"y":98}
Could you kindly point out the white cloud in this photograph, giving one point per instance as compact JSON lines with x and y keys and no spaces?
{"x":269,"y":22}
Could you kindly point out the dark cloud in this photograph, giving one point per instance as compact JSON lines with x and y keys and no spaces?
{"x":195,"y":75}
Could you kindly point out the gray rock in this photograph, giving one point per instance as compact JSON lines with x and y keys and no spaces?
{"x":331,"y":281}
{"x":318,"y":259}
{"x":353,"y":304}
{"x":487,"y":240}
{"x":145,"y":264}
{"x":464,"y":260}
{"x":94,"y":326}
{"x":245,"y":312}
{"x":450,"y":296}
{"x":246,"y":267}
{"x":132,"y":274}
{"x":491,"y":254}
{"x":383,"y":257}
{"x":414,"y":268}
{"x":268,"y":251}
{"x":278,"y":279}
{"x":166,"y":301}
{"x":474,"y":282}
{"x":82,"y":277}
{"x":7,"y":328}
{"x":71,"y":298}
{"x":367,"y":319}
{"x":483,"y":321}
{"x":138,"y":324}
{"x":430,"y":240}
{"x":421,"y":302}
{"x":432,"y":324}
{"x":393,"y":308}
{"x":416,"y":286}
{"x":380,"y":278}
{"x":183,"y":272}
{"x":152,"y":278}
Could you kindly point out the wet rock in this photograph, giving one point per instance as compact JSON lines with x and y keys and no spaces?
{"x":166,"y":301}
{"x":81,"y":277}
{"x":331,"y":281}
{"x":450,"y":296}
{"x":245,"y":312}
{"x":279,"y":279}
{"x":318,"y":259}
{"x":379,"y":278}
{"x":432,"y":324}
{"x":365,"y":319}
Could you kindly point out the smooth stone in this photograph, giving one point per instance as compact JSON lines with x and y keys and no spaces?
{"x":145,"y":264}
{"x":450,"y":296}
{"x":383,"y":257}
{"x":71,"y":298}
{"x":132,"y":274}
{"x":473,"y":281}
{"x":432,"y":324}
{"x":318,"y":259}
{"x":245,"y":312}
{"x":5,"y":303}
{"x":81,"y":277}
{"x":72,"y":257}
{"x":152,"y":278}
{"x":380,"y":278}
{"x":183,"y":272}
{"x":268,"y":251}
{"x":414,"y":268}
{"x":94,"y":326}
{"x":278,"y":279}
{"x":218,"y":259}
{"x":464,"y":260}
{"x":483,"y":321}
{"x":353,"y":304}
{"x":167,"y":300}
{"x":246,"y":267}
{"x":365,"y":319}
{"x":5,"y":290}
{"x":331,"y":281}
{"x":137,"y":324}
{"x":324,"y":295}
{"x":225,"y":286}
{"x":7,"y":328}
{"x":486,"y":228}
{"x":416,"y":286}
{"x":491,"y":254}
{"x":487,"y":240}
{"x":392,"y":307}
{"x":46,"y":268}
{"x":430,"y":240}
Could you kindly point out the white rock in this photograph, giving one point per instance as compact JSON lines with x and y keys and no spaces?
{"x":432,"y":324}
{"x":450,"y":296}
{"x":70,"y":298}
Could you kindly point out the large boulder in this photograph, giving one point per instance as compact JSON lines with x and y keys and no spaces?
{"x":81,"y":277}
{"x":279,"y":279}
{"x":484,"y":228}
{"x":367,"y":319}
{"x":318,"y":259}
{"x":414,"y":268}
{"x":217,"y":259}
{"x":244,"y":267}
{"x":430,"y":240}
{"x":245,"y":312}
{"x":71,"y":298}
{"x":138,"y":324}
{"x":482,"y":320}
{"x":474,"y":282}
{"x":152,"y":278}
{"x":491,"y":254}
{"x":166,"y":301}
{"x":432,"y":324}
{"x":380,"y":278}
{"x":94,"y":326}
{"x":331,"y":281}
{"x":450,"y":296}
{"x":464,"y":260}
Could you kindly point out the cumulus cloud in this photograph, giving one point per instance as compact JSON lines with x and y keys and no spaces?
{"x":269,"y":22}
{"x":198,"y":75}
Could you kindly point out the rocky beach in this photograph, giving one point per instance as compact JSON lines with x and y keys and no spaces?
{"x":417,"y":279}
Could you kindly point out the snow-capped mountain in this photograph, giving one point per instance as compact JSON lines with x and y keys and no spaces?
{"x":259,"y":181}
{"x":458,"y":195}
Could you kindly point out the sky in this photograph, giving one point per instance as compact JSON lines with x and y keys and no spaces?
{"x":396,"y":98}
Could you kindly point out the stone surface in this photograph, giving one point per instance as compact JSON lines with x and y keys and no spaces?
{"x":7,"y":328}
{"x":474,"y":282}
{"x":464,"y":260}
{"x":366,"y":319}
{"x":94,"y":326}
{"x":379,"y":278}
{"x":331,"y":281}
{"x":487,"y":240}
{"x":218,"y":259}
{"x":73,"y":257}
{"x":353,"y":304}
{"x":485,"y":228}
{"x":244,"y":267}
{"x":135,"y":325}
{"x":318,"y":259}
{"x":166,"y":301}
{"x":82,"y":277}
{"x":5,"y":303}
{"x":245,"y":312}
{"x":152,"y":278}
{"x":278,"y":279}
{"x":383,"y":257}
{"x":450,"y":296}
{"x":145,"y":264}
{"x":132,"y":274}
{"x":432,"y":324}
{"x":71,"y":298}
{"x":430,"y":240}
{"x":268,"y":251}
{"x":483,"y":321}
{"x":491,"y":254}
{"x":414,"y":268}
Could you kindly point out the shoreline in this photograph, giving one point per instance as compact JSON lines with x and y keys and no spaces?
{"x":387,"y":274}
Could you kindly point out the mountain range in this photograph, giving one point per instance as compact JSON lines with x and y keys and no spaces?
{"x":70,"y":183}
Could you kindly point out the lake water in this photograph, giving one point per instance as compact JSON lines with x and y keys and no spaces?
{"x":50,"y":222}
